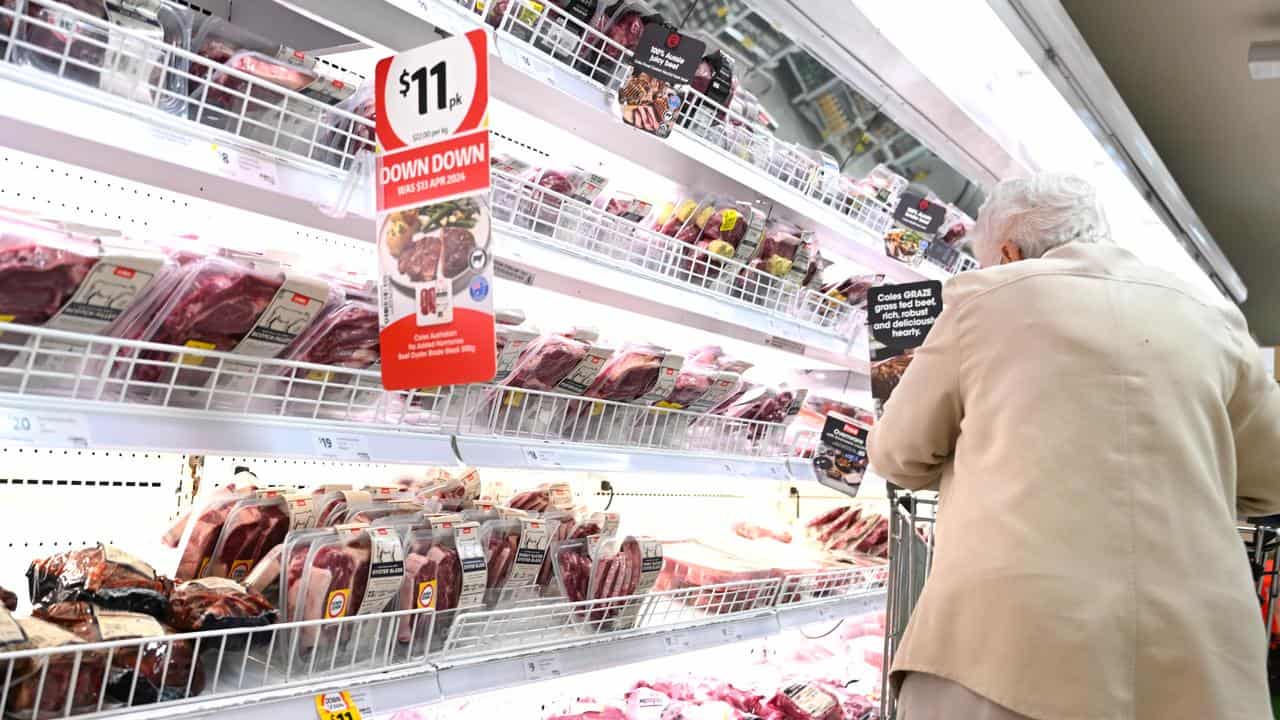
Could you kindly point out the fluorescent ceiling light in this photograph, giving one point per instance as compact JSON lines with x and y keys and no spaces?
{"x":969,"y":54}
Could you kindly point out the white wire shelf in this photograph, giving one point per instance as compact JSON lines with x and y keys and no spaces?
{"x":94,"y":93}
{"x":412,"y":657}
{"x":97,"y":391}
{"x":564,"y":77}
{"x":759,"y":303}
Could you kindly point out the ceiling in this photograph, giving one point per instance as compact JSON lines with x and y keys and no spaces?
{"x":1181,"y":66}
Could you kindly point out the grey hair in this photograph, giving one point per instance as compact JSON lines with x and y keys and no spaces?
{"x":1038,"y":214}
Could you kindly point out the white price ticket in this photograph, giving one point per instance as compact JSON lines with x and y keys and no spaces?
{"x":338,"y":446}
{"x":543,"y":667}
{"x":43,"y":428}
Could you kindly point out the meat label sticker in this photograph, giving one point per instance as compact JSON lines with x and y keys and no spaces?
{"x":899,"y":318}
{"x":386,"y":570}
{"x":435,"y":263}
{"x":335,"y":606}
{"x":466,"y":539}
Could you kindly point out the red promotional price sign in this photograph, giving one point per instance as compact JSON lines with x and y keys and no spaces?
{"x":434,"y":242}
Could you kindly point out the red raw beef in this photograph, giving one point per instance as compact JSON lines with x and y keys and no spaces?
{"x":38,"y":281}
{"x":247,"y":537}
{"x":630,"y":373}
{"x":204,"y":536}
{"x":194,"y":607}
{"x":546,"y":362}
{"x":346,"y":337}
{"x":427,"y":560}
{"x":219,"y":305}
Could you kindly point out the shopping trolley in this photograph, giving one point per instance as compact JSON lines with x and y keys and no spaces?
{"x":911,"y":524}
{"x":910,"y":557}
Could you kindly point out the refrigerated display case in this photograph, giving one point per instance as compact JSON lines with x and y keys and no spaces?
{"x":736,"y":253}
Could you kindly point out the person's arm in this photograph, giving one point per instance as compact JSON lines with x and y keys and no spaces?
{"x":1255,"y":422}
{"x":917,"y":433}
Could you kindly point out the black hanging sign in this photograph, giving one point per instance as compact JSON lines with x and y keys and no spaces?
{"x":917,"y":212}
{"x":667,"y":55}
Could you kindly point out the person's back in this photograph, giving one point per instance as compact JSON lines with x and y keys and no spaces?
{"x":1082,"y":413}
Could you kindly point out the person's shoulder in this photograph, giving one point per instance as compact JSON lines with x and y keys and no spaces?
{"x":973,"y":284}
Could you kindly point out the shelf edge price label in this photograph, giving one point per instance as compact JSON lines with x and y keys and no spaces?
{"x":543,"y":667}
{"x":340,"y":705}
{"x":677,"y":641}
{"x":40,"y":428}
{"x":337,"y":446}
{"x":434,"y":91}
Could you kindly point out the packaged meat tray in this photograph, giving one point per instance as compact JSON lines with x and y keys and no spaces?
{"x":52,"y":32}
{"x":639,"y":373}
{"x":721,"y":230}
{"x":551,"y":363}
{"x":432,"y":578}
{"x":346,"y":336}
{"x":622,"y":567}
{"x":346,"y":137}
{"x":243,"y":306}
{"x":692,"y":565}
{"x":353,"y":571}
{"x":256,"y":109}
{"x":141,"y":674}
{"x":252,"y":527}
{"x":622,"y":23}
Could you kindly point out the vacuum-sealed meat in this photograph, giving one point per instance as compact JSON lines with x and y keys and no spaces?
{"x":353,"y":571}
{"x":634,"y":371}
{"x":804,"y":701}
{"x":8,"y":600}
{"x":147,"y":673}
{"x":41,"y":685}
{"x":104,"y":575}
{"x":205,"y":534}
{"x":230,"y":491}
{"x":217,"y":604}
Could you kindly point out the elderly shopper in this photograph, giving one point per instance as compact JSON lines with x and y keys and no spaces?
{"x":1094,"y":427}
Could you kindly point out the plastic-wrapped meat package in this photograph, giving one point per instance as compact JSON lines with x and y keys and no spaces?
{"x":231,"y":306}
{"x":291,"y":567}
{"x":205,"y":534}
{"x":8,"y":600}
{"x":694,"y":565}
{"x":671,"y":217}
{"x":346,"y":337}
{"x":162,"y":669}
{"x":41,"y":268}
{"x":546,"y":362}
{"x":718,"y":229}
{"x":955,"y":227}
{"x":40,"y":687}
{"x":563,"y":530}
{"x":252,"y":527}
{"x":432,"y":577}
{"x":839,"y":297}
{"x":617,"y":572}
{"x":572,"y":562}
{"x":56,"y":32}
{"x":500,"y":538}
{"x":622,"y":23}
{"x":640,"y":372}
{"x":383,"y":512}
{"x":451,"y":493}
{"x":230,"y":491}
{"x":346,"y":137}
{"x":777,"y":252}
{"x":333,"y":505}
{"x":804,"y":701}
{"x":333,"y":582}
{"x":717,"y":83}
{"x":104,"y":575}
{"x":882,"y":185}
{"x":218,"y":604}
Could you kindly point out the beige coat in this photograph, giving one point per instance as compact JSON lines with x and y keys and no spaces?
{"x":1093,"y":429}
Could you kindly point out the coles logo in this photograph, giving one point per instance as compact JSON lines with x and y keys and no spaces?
{"x":124,"y":272}
{"x":923,"y":204}
{"x":673,"y":40}
{"x":300,"y":299}
{"x":337,"y":605}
